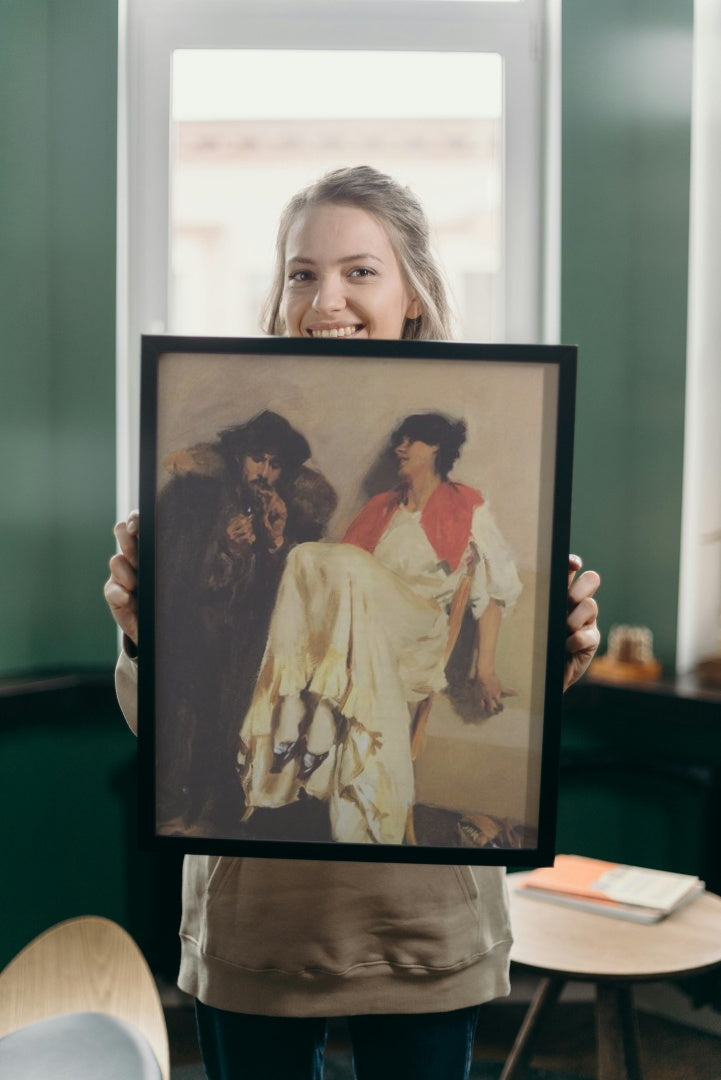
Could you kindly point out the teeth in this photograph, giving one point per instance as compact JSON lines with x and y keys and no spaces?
{"x":335,"y":332}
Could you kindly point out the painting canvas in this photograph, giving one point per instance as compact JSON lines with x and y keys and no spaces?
{"x":353,"y":573}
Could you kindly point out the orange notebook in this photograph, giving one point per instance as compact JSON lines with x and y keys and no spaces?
{"x":631,"y":892}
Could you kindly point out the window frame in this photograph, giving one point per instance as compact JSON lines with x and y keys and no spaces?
{"x":526,"y":34}
{"x":698,"y":632}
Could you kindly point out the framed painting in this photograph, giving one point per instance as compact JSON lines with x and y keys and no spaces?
{"x":352,"y":597}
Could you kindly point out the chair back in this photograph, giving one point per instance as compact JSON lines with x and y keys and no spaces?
{"x":87,"y":964}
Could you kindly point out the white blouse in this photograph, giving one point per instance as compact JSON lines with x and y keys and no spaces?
{"x":405,"y":549}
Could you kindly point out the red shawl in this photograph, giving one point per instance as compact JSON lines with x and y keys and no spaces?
{"x":445,"y":519}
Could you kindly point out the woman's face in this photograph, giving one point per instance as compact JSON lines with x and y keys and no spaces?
{"x":415,"y":458}
{"x":342,"y":277}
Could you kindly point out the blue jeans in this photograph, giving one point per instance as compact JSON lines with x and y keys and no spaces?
{"x":413,"y":1046}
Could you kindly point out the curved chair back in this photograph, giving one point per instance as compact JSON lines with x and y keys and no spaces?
{"x":84,"y":965}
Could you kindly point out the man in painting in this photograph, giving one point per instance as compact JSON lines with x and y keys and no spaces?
{"x":226,"y":521}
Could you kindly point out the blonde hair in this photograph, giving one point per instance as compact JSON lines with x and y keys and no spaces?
{"x":403,"y":217}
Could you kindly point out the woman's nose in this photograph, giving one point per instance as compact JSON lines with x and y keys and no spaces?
{"x":329,"y":295}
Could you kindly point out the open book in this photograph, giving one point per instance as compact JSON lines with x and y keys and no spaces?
{"x":608,"y":888}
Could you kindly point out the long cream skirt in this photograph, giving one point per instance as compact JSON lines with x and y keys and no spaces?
{"x":352,"y":634}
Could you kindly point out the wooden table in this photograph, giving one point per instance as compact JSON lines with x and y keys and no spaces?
{"x":563,"y":944}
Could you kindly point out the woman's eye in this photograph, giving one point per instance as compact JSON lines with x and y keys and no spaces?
{"x":300,"y":276}
{"x":362,"y":272}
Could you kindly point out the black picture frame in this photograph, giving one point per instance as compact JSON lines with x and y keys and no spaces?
{"x":484,"y":788}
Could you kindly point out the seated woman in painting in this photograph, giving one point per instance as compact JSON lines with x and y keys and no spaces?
{"x":358,"y":636}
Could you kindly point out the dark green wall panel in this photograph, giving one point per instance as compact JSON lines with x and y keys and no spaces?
{"x":26,"y":483}
{"x":626,"y":145}
{"x":58,"y":79}
{"x":61,"y":787}
{"x":68,"y":797}
{"x":83,"y":146}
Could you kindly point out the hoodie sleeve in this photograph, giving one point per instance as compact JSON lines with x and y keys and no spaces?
{"x":126,"y":688}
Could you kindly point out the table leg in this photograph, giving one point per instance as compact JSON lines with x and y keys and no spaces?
{"x":617,"y":1033}
{"x":545,"y":997}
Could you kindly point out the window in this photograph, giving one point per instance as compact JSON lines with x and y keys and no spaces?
{"x":236,"y":160}
{"x":259,"y":97}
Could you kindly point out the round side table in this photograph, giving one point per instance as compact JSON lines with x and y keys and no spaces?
{"x":563,"y":944}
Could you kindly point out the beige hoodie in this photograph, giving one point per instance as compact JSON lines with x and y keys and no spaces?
{"x":287,"y":937}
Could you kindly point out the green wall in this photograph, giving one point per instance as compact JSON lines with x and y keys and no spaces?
{"x":626,"y":137}
{"x":67,"y":772}
{"x":625,"y":200}
{"x":69,"y":799}
{"x":58,"y":73}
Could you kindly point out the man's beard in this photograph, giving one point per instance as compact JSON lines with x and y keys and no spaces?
{"x":257,"y":493}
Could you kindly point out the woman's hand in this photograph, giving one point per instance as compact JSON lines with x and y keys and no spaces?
{"x":121,"y":587}
{"x":582,"y":634}
{"x":490,"y":692}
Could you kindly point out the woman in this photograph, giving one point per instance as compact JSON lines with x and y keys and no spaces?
{"x":270,"y":949}
{"x":359,"y":632}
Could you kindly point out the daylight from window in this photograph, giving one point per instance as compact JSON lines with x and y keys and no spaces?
{"x":237,"y":156}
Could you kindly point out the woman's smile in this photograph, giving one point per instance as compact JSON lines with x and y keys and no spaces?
{"x":335,"y":331}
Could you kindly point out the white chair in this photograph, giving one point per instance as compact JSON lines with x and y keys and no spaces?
{"x":80,"y":1002}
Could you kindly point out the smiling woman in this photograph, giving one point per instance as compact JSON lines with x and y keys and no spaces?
{"x":332,"y":292}
{"x":353,"y":259}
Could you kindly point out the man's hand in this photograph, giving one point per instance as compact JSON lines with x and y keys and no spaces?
{"x":275,"y":517}
{"x":582,"y":633}
{"x":120,"y":589}
{"x":240,"y":533}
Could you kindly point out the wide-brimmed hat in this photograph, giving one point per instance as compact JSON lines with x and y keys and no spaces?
{"x":267,"y":432}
